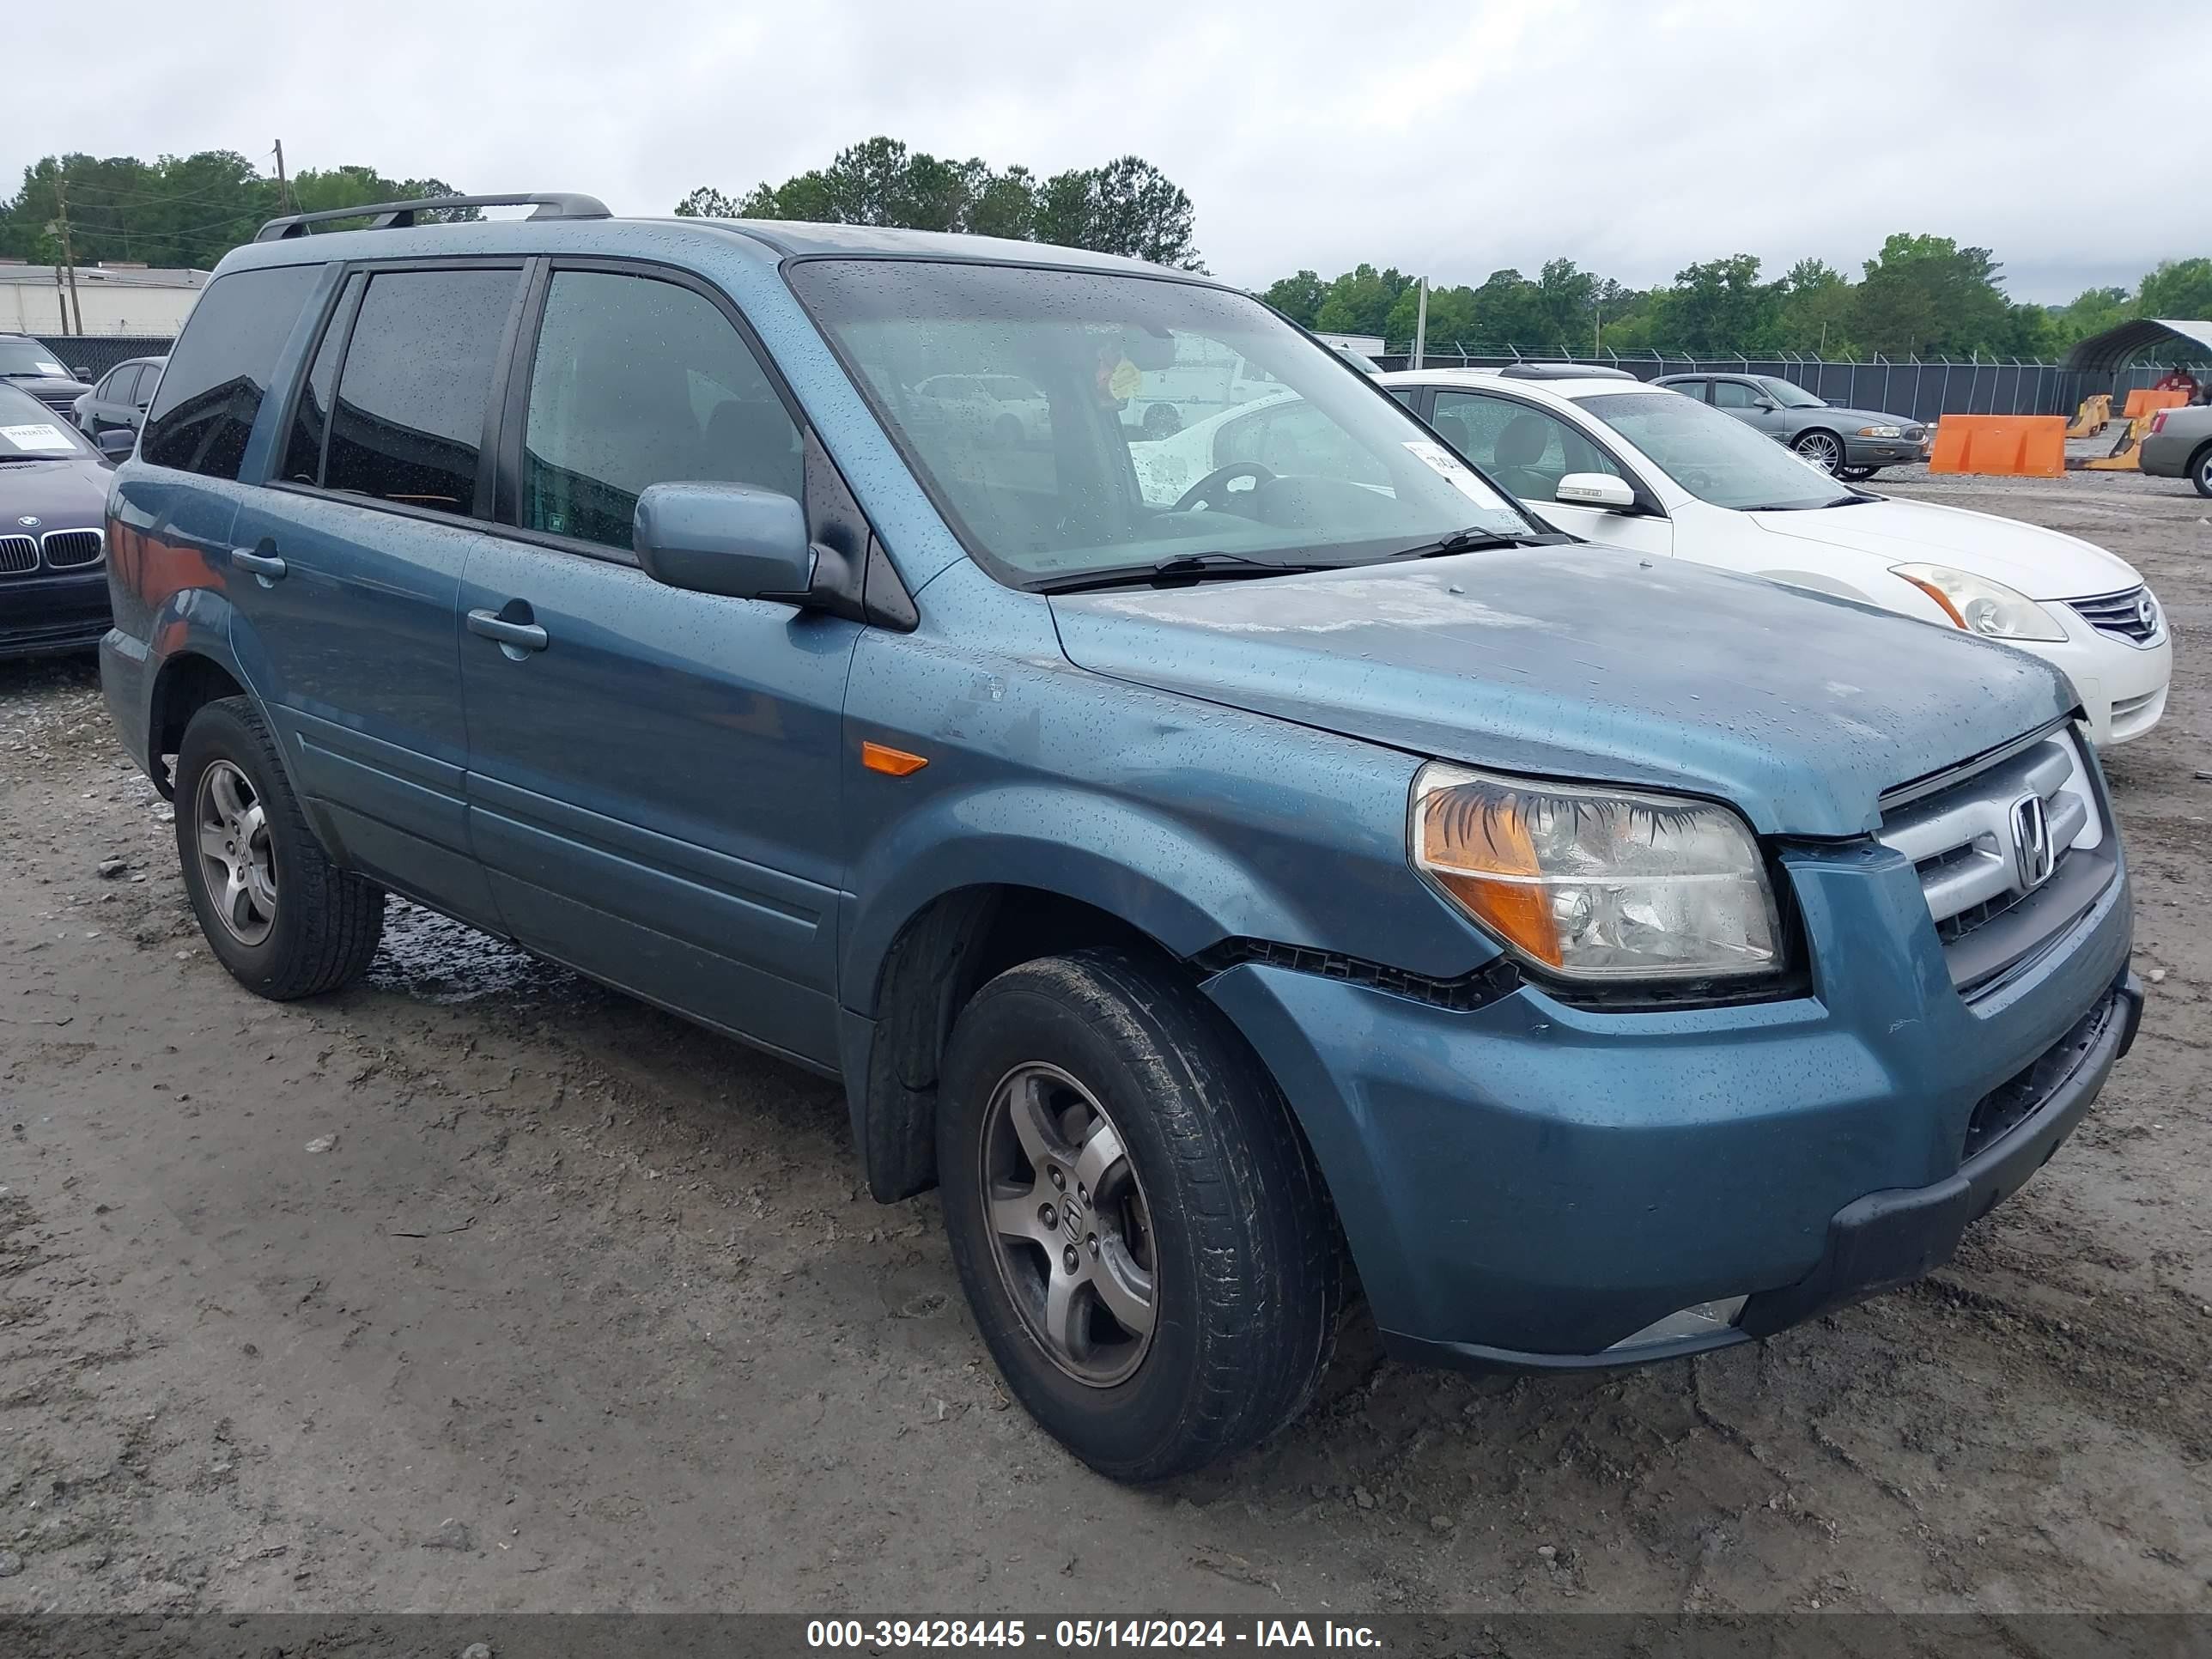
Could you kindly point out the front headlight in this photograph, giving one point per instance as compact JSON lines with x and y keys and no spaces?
{"x":1597,"y":884}
{"x":1980,"y":605}
{"x":1881,"y":432}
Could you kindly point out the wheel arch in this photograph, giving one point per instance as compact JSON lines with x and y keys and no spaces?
{"x":195,"y":663}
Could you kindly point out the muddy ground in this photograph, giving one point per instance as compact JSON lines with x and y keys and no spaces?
{"x":480,"y":1288}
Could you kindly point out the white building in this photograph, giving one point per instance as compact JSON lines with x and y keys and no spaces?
{"x":113,"y":298}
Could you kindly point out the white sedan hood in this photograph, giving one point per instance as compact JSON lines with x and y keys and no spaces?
{"x":2043,"y":564}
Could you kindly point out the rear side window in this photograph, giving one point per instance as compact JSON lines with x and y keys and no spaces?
{"x":220,"y":370}
{"x":303,"y":447}
{"x":409,"y":419}
{"x":635,"y":382}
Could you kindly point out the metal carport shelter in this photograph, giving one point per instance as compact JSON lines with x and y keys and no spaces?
{"x":2106,"y":353}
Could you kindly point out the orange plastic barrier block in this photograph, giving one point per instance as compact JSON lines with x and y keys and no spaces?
{"x":2019,"y":446}
{"x":2142,"y":399}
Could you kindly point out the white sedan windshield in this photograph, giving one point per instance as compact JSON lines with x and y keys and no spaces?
{"x":1715,"y":457}
{"x":1151,"y":419}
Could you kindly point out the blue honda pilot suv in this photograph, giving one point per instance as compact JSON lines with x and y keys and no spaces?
{"x":1214,"y":890}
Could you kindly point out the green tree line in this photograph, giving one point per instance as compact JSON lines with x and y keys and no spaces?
{"x":176,"y":209}
{"x":1920,"y":293}
{"x":1128,"y":206}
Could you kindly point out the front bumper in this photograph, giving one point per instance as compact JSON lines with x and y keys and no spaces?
{"x":1530,"y":1184}
{"x":43,"y":616}
{"x":1887,"y":1239}
{"x":1883,"y":452}
{"x":2121,"y":685}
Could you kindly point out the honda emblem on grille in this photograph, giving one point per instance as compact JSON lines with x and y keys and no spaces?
{"x":2034,"y":856}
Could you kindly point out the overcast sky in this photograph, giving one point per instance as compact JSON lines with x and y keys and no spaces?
{"x":1451,"y":138}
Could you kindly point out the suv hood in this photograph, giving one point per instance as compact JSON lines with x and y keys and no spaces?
{"x":1593,"y":664}
{"x":2044,"y":564}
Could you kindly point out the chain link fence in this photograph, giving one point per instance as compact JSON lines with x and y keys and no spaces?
{"x":91,"y":356}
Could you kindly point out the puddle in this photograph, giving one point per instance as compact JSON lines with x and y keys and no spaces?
{"x":433,"y":958}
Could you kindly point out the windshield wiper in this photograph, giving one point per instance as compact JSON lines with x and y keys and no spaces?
{"x":1180,"y":570}
{"x":1473,"y":541}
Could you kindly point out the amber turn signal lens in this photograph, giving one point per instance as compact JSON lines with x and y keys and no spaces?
{"x":1941,"y":598}
{"x":895,"y":762}
{"x":1480,"y":851}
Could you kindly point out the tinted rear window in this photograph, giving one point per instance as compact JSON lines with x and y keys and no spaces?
{"x":408,"y":425}
{"x":220,"y":371}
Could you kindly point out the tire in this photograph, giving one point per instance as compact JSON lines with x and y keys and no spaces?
{"x":1856,"y":474}
{"x":1009,"y":429}
{"x":1821,"y":447}
{"x":299,"y":926}
{"x":2200,"y":471}
{"x":1162,"y":420}
{"x":1217,"y":1205}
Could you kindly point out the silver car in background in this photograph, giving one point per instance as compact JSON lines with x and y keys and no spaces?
{"x":2179,"y":445}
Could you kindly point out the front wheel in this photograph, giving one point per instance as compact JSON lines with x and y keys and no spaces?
{"x":1138,"y":1226}
{"x":1824,"y":449}
{"x":284,"y":919}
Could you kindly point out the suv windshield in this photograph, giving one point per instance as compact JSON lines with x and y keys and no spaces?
{"x":1716,"y":457}
{"x":1789,"y":394}
{"x":29,"y":357}
{"x":1142,"y":452}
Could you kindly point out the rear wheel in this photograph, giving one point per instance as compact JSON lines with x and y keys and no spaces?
{"x":276,"y":911}
{"x":2200,"y":471}
{"x":1824,"y":449}
{"x":1137,"y":1223}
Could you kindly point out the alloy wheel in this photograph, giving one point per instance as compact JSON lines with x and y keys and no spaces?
{"x":236,"y":857}
{"x":1822,"y":450}
{"x":1071,"y":1232}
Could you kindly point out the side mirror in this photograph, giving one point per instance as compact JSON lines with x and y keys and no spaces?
{"x":81,"y":372}
{"x":1599,"y":489}
{"x":1765,"y":404}
{"x":726,"y":538}
{"x":115,"y":442}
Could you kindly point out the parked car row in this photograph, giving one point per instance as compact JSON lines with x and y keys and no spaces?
{"x":1356,"y":838}
{"x":53,"y":503}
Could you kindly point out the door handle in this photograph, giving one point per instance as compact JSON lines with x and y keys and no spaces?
{"x":527,"y":637}
{"x":267,"y":566}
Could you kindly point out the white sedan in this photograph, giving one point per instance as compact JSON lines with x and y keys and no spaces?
{"x":1607,"y":457}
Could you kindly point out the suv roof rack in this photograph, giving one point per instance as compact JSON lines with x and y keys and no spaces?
{"x":390,"y":215}
{"x":1563,"y":372}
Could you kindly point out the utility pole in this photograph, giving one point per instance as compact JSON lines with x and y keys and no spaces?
{"x":1421,"y":323}
{"x":283,"y":188}
{"x":68,"y":254}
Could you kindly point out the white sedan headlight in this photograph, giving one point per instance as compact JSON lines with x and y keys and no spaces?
{"x":1980,"y":605}
{"x":1598,"y":885}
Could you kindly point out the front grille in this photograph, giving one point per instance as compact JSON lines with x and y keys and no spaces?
{"x":18,"y":554}
{"x":1964,"y":840}
{"x":2017,"y":1099}
{"x":71,"y":550}
{"x":2133,"y":615}
{"x":61,"y":403}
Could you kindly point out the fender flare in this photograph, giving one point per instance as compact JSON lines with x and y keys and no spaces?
{"x":1132,"y":862}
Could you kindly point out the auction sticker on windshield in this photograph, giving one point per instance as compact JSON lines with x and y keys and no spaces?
{"x":40,"y":437}
{"x":1457,"y":473}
